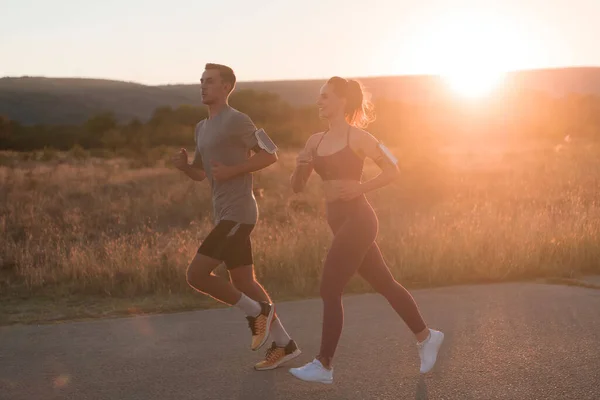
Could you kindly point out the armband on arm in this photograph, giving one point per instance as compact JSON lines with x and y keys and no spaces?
{"x":265,"y":142}
{"x":385,"y":156}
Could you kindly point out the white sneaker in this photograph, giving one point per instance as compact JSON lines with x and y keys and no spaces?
{"x":428,"y":350}
{"x":313,"y":372}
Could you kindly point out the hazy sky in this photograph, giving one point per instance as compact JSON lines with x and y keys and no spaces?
{"x":158,"y":42}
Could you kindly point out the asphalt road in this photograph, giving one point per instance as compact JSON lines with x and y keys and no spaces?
{"x":509,"y":341}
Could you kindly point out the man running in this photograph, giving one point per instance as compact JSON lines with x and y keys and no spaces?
{"x":224,"y":142}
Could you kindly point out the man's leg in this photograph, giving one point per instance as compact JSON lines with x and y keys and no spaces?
{"x":201,"y":277}
{"x":283,"y":348}
{"x":240,"y":263}
{"x":244,"y":280}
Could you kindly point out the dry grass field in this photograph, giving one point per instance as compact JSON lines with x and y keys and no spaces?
{"x":85,"y":236}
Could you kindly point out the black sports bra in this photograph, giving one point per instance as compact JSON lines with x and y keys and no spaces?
{"x":341,"y":165}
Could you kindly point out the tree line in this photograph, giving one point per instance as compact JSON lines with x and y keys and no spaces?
{"x":515,"y":115}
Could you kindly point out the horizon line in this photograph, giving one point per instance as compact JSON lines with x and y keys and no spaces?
{"x":408,"y":75}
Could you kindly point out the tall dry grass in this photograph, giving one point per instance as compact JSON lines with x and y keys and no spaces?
{"x":86,"y":226}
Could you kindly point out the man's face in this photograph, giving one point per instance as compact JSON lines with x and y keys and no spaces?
{"x":214,"y":90}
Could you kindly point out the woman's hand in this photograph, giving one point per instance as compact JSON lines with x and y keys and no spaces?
{"x":304,"y":159}
{"x":304,"y":164}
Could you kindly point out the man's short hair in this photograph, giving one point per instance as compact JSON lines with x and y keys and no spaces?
{"x":226,"y":73}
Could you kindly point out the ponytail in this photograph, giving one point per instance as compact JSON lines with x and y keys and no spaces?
{"x":359,"y":111}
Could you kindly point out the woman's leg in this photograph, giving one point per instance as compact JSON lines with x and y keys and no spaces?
{"x":350,"y":244}
{"x":376,"y":273}
{"x":353,"y":236}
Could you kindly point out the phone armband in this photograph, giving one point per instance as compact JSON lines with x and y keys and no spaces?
{"x":265,"y":142}
{"x":385,"y":155}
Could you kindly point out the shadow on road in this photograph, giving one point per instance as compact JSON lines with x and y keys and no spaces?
{"x":421,"y":389}
{"x":258,"y":385}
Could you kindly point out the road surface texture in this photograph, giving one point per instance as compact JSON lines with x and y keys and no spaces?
{"x":504,"y":341}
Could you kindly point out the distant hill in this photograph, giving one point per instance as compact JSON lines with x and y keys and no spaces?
{"x":64,"y":100}
{"x":32,"y":100}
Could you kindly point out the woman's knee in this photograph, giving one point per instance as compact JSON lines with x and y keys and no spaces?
{"x":330,"y":292}
{"x":384,"y":287}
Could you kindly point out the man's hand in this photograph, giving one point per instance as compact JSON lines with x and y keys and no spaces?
{"x":222,"y":172}
{"x":180,"y":160}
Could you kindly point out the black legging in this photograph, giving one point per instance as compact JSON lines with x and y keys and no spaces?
{"x":353,"y":249}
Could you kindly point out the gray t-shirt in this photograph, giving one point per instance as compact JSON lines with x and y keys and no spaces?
{"x":228,"y":138}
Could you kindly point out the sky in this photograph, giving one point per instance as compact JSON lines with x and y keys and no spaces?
{"x":168,"y":42}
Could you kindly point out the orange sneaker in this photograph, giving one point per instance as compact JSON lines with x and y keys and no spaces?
{"x":278,"y":355}
{"x":261,"y":325}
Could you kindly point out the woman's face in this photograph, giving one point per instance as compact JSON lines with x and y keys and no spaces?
{"x":330,"y":104}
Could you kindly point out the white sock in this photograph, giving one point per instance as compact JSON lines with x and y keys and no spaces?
{"x":248,"y":306}
{"x":280,"y":336}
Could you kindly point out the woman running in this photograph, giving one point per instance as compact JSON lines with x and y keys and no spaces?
{"x":337,"y":155}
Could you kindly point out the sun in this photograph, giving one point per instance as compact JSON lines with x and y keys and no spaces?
{"x":472,"y":50}
{"x":474,"y":84}
{"x":476,"y":52}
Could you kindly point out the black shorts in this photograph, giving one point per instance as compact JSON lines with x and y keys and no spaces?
{"x":229,"y":242}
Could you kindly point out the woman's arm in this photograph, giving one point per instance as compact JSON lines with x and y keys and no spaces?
{"x":304,"y":164}
{"x":386,"y":161}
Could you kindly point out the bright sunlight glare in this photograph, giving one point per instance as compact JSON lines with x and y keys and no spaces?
{"x":471,"y":50}
{"x":474,"y":84}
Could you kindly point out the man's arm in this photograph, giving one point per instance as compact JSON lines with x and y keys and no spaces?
{"x":263,"y":155}
{"x":195,"y":174}
{"x":259,"y":160}
{"x":193,"y":170}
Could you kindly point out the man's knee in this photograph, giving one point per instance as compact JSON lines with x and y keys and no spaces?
{"x":192,"y":276}
{"x":199,"y":271}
